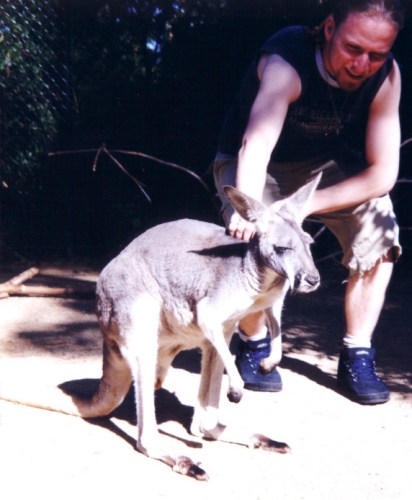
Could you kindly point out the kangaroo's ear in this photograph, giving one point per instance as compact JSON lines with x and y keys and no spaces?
{"x":249,"y":208}
{"x":295,"y":203}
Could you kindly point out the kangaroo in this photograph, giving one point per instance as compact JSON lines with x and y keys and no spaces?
{"x":186,"y":284}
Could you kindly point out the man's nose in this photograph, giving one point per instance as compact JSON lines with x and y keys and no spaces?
{"x":361,"y":64}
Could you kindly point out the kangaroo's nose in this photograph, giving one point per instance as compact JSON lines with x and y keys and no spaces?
{"x":313,"y":280}
{"x":306,"y":281}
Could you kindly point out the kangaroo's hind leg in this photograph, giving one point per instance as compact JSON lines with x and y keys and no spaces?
{"x":141,"y":332}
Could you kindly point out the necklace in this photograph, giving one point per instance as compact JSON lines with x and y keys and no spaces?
{"x":336,"y":124}
{"x":338,"y":115}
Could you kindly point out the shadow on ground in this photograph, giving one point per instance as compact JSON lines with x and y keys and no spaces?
{"x":168,"y":408}
{"x":312,"y":323}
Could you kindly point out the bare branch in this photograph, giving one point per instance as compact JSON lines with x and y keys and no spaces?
{"x":117,"y":163}
{"x":104,"y":149}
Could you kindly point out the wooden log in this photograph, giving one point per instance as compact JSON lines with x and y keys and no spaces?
{"x":15,"y":286}
{"x":8,"y":287}
{"x":49,"y":291}
{"x":21,"y":278}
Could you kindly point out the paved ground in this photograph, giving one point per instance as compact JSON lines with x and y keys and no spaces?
{"x":340,"y":450}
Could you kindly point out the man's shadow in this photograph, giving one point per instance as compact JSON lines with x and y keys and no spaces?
{"x":309,"y":371}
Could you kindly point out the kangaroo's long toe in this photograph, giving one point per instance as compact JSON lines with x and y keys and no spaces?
{"x":186,"y":466}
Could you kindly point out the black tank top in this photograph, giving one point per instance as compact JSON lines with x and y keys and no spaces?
{"x":324,"y":120}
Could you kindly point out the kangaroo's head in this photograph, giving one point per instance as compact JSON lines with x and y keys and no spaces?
{"x":282,"y":245}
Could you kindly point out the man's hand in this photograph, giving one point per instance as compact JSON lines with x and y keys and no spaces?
{"x":241,"y":229}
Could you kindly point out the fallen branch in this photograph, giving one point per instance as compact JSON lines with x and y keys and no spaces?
{"x":45,"y":291}
{"x":21,"y":278}
{"x":15,"y":286}
{"x":9,"y":287}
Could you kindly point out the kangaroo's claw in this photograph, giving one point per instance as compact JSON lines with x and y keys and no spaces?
{"x":267,"y":444}
{"x":184,"y":465}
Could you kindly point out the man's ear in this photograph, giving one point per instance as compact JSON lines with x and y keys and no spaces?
{"x":329,"y":28}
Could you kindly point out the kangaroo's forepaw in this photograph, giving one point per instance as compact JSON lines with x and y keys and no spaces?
{"x":234,"y":395}
{"x":186,"y":466}
{"x":267,"y":444}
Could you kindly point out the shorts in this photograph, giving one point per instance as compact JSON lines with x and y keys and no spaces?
{"x":366,"y":233}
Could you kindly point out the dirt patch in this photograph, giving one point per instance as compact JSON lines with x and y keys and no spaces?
{"x":340,"y":449}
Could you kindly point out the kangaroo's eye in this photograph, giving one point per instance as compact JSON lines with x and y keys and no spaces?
{"x":281,"y":250}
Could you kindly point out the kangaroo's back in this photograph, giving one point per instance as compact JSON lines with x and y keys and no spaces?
{"x":182,"y":258}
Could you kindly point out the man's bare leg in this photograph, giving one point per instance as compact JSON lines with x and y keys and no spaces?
{"x":364,"y":299}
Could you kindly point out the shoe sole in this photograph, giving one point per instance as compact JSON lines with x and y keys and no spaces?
{"x":374,"y":399}
{"x":259,"y":388}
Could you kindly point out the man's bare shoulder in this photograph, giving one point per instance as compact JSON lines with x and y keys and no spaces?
{"x":277,"y":75}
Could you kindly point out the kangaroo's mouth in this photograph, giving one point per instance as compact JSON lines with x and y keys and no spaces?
{"x":306,"y":284}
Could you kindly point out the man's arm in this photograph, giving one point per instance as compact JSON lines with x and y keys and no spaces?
{"x":279,"y":86}
{"x":382,"y":154}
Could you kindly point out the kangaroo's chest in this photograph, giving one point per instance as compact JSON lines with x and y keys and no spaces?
{"x":269,"y":297}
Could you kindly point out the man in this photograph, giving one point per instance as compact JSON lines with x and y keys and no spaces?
{"x":324,"y":100}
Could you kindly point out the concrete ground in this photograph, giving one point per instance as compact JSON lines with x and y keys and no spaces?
{"x":340,"y":450}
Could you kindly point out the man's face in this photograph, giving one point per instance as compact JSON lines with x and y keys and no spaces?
{"x":357,"y":48}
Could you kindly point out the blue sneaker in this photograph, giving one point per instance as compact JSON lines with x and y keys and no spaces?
{"x":357,"y":377}
{"x":248,"y":357}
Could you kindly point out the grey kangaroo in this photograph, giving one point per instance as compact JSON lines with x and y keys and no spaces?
{"x":184,"y":285}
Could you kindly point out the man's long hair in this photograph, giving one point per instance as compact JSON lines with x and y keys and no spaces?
{"x":390,"y":10}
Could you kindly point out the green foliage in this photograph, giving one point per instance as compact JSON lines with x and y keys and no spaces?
{"x":29,"y":93}
{"x":118,"y":56}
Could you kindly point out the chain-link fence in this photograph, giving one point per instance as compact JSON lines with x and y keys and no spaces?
{"x":33,"y":85}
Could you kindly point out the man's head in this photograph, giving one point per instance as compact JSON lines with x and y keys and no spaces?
{"x":391,"y":10}
{"x":358,"y":37}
